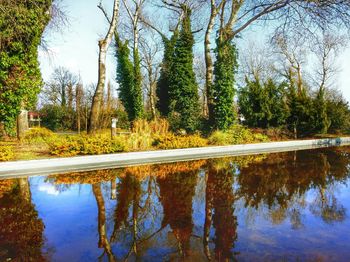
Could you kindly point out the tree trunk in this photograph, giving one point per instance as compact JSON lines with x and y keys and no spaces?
{"x":152,"y":85}
{"x":22,"y":124}
{"x":209,"y":64}
{"x":98,"y":96}
{"x":24,"y":188}
{"x":78,"y":105}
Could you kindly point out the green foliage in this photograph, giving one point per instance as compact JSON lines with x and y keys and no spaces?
{"x":122,"y":117}
{"x":236,"y":134}
{"x":223,"y":90}
{"x":21,"y":28}
{"x":338,"y":113}
{"x":322,"y":122}
{"x":171,"y":141}
{"x":39,"y":134}
{"x":300,"y":112}
{"x":56,"y":117}
{"x":183,"y":89}
{"x":6,"y":153}
{"x":262,"y":104}
{"x":163,"y":83}
{"x":129,"y":79}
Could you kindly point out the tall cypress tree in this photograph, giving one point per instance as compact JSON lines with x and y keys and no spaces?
{"x":183,"y":89}
{"x":129,"y":79}
{"x":223,"y":91}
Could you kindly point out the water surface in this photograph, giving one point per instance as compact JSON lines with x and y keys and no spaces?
{"x":279,"y":207}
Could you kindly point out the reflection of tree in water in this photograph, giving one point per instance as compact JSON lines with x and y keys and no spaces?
{"x":281,"y":181}
{"x":21,"y":230}
{"x":328,"y":208}
{"x":103,"y":241}
{"x":176,"y":194}
{"x":127,"y":189}
{"x":220,"y":212}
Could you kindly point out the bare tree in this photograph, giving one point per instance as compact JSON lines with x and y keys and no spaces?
{"x":60,"y":87}
{"x":326,"y":48}
{"x":103,"y":47}
{"x":293,"y":56}
{"x":150,"y":50}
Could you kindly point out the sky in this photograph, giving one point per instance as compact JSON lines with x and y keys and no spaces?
{"x":75,"y":46}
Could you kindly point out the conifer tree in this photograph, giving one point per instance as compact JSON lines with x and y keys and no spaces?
{"x":300,"y":111}
{"x":262,"y":104}
{"x":183,"y":89}
{"x":322,"y":122}
{"x":129,"y":79}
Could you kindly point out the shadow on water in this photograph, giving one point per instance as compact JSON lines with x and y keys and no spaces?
{"x":238,"y":208}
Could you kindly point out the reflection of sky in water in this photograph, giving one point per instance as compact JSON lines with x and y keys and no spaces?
{"x":70,"y":216}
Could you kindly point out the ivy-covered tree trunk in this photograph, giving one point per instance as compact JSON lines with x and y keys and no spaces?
{"x":163,"y":83}
{"x":21,"y":25}
{"x":183,"y":89}
{"x":223,"y":91}
{"x":129,"y":80}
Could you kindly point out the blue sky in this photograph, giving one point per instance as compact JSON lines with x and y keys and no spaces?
{"x":75,"y":47}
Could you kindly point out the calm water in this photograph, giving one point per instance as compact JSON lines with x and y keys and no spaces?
{"x":279,"y":207}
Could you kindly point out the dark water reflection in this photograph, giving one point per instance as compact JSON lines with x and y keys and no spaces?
{"x":286,"y":207}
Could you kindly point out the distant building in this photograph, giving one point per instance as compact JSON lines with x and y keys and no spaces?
{"x":34,"y":119}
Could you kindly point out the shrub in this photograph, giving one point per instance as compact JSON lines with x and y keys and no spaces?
{"x":237,"y":134}
{"x":154,"y":127}
{"x":87,"y":145}
{"x":6,"y":153}
{"x":39,"y":134}
{"x":171,"y":141}
{"x":68,"y":146}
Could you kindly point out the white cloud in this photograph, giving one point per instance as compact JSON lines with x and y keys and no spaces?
{"x":49,"y":189}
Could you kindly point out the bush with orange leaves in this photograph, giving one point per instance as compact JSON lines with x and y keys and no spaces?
{"x":5,"y":186}
{"x":171,"y":141}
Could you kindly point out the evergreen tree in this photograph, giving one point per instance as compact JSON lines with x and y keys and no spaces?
{"x":262,"y":104}
{"x":322,"y":122}
{"x":300,"y":118}
{"x":163,"y":83}
{"x":338,"y":113}
{"x":20,"y":77}
{"x":183,"y":89}
{"x":223,"y":91}
{"x":129,"y":79}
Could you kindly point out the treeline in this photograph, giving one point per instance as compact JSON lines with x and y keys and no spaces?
{"x":273,"y":104}
{"x":159,"y":74}
{"x":65,"y":103}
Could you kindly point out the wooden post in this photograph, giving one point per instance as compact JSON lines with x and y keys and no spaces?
{"x":114,"y":127}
